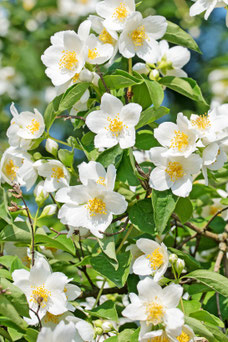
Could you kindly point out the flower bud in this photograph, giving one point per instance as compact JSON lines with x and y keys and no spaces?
{"x":40,"y":193}
{"x":154,"y":75}
{"x":86,"y":75}
{"x":180,"y":265}
{"x":98,"y":323}
{"x":173,"y":258}
{"x":141,"y":68}
{"x":51,"y":146}
{"x":107,"y":327}
{"x":96,"y":79}
{"x":37,"y":156}
{"x":98,"y":331}
{"x":49,"y":210}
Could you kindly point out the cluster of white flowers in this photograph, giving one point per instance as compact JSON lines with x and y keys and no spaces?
{"x":208,"y":6}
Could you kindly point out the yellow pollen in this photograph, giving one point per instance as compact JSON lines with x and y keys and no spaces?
{"x":84,"y":2}
{"x":52,"y":318}
{"x":158,"y":339}
{"x":26,"y":260}
{"x":121,"y":12}
{"x":34,"y":127}
{"x":57,"y":172}
{"x":156,"y":259}
{"x":174,"y":170}
{"x":75,"y":78}
{"x":11,"y":169}
{"x":105,"y":37}
{"x":101,"y":181}
{"x":96,"y":207}
{"x":68,"y":60}
{"x":213,"y":210}
{"x":115,"y":126}
{"x":183,"y":337}
{"x":93,"y":53}
{"x":180,"y":141}
{"x":155,"y":313}
{"x":40,"y":295}
{"x":139,"y":36}
{"x":202,"y":122}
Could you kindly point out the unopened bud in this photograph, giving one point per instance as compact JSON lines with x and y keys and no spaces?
{"x":51,"y":146}
{"x":141,"y":68}
{"x":37,"y":156}
{"x":180,"y":265}
{"x":98,"y":323}
{"x":49,"y":210}
{"x":154,"y":75}
{"x":40,"y":193}
{"x":98,"y":331}
{"x":173,"y":258}
{"x":107,"y":327}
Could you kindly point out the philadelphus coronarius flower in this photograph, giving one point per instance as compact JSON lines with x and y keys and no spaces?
{"x":213,"y":159}
{"x":91,"y":206}
{"x":17,"y":167}
{"x":24,"y":127}
{"x":115,"y":12}
{"x":186,"y":335}
{"x":173,"y":172}
{"x":154,"y":305}
{"x":179,"y":138}
{"x":76,"y":8}
{"x":114,"y":123}
{"x":154,"y":260}
{"x":55,"y":173}
{"x":208,"y":6}
{"x":45,"y":290}
{"x":139,"y":36}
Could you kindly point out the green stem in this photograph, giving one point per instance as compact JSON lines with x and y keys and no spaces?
{"x":130,"y":66}
{"x":59,"y":141}
{"x":99,"y":293}
{"x":177,"y":280}
{"x":124,"y":239}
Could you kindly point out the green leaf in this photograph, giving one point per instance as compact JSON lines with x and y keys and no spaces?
{"x":103,"y":265}
{"x":215,"y":281}
{"x":163,"y":203}
{"x":155,"y":92}
{"x":111,"y":156}
{"x":16,"y":233}
{"x":106,"y":310}
{"x":61,"y":242}
{"x":190,"y":262}
{"x":174,"y":34}
{"x":191,"y":306}
{"x":16,"y":264}
{"x":184,"y":86}
{"x":51,"y":112}
{"x":11,"y":317}
{"x":184,"y":209}
{"x":5,"y":334}
{"x":148,"y":93}
{"x":205,"y":316}
{"x":31,"y":335}
{"x":125,"y":172}
{"x":145,"y":140}
{"x":141,"y":215}
{"x":150,"y":115}
{"x":108,"y":247}
{"x":66,"y":157}
{"x":217,"y":333}
{"x":126,"y":336}
{"x":120,"y":79}
{"x":73,"y":95}
{"x":199,"y":328}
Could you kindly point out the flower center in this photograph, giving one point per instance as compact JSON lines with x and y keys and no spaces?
{"x":34,"y":127}
{"x":121,"y":12}
{"x":11,"y":169}
{"x":93,"y":53}
{"x":183,"y":337}
{"x":75,"y":78}
{"x":101,"y":181}
{"x":96,"y":206}
{"x":138,"y":36}
{"x":158,"y":339}
{"x":115,"y":126}
{"x":84,"y":2}
{"x":180,"y":141}
{"x":57,"y":172}
{"x":40,"y":295}
{"x":174,"y":170}
{"x":105,"y":37}
{"x":213,"y":210}
{"x":202,"y":122}
{"x":156,"y":259}
{"x":52,"y":318}
{"x":26,"y":260}
{"x":68,"y":60}
{"x":155,"y":313}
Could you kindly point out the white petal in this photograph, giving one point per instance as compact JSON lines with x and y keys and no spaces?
{"x":165,"y":133}
{"x":115,"y":202}
{"x":172,"y":295}
{"x":174,"y":320}
{"x":183,"y":186}
{"x":111,"y":104}
{"x":141,"y":266}
{"x":91,"y":170}
{"x":160,"y":180}
{"x":97,"y":121}
{"x":130,"y":114}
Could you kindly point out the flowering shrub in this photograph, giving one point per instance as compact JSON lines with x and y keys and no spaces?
{"x":130,"y":244}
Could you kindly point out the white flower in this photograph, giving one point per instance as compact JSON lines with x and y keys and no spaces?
{"x":114,"y":123}
{"x":139,"y":37}
{"x":23,"y":253}
{"x":24,"y":128}
{"x":179,"y":137}
{"x":115,"y":12}
{"x":141,"y":68}
{"x":173,"y":172}
{"x":51,"y":146}
{"x":154,"y":260}
{"x":187,"y":334}
{"x":51,"y":321}
{"x":84,"y":329}
{"x":65,"y":58}
{"x":76,"y":8}
{"x":49,"y":210}
{"x":90,"y":206}
{"x":206,"y":5}
{"x":62,"y":332}
{"x":218,"y":83}
{"x":154,"y":305}
{"x":55,"y":173}
{"x":95,"y":171}
{"x":40,"y":193}
{"x":214,"y":207}
{"x":17,"y":167}
{"x":213,"y":159}
{"x":172,"y":60}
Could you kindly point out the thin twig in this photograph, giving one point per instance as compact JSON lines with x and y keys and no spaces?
{"x":112,"y":290}
{"x":214,"y":216}
{"x":120,"y":231}
{"x":69,"y":117}
{"x":36,"y":313}
{"x":119,"y":218}
{"x":189,"y":238}
{"x":58,"y":233}
{"x":32,"y":230}
{"x":102,"y":79}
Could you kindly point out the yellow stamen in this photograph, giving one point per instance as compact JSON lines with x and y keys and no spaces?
{"x":101,"y":181}
{"x":158,"y":339}
{"x":155,"y":313}
{"x":120,"y":12}
{"x":105,"y":37}
{"x":40,"y":295}
{"x":75,"y":78}
{"x":180,"y":141}
{"x":138,"y":36}
{"x":68,"y":60}
{"x":156,"y":259}
{"x":34,"y":127}
{"x":84,"y":2}
{"x":183,"y":337}
{"x":11,"y":169}
{"x":96,"y":207}
{"x":174,"y":170}
{"x":26,"y":260}
{"x":213,"y":210}
{"x":115,"y":126}
{"x":57,"y":172}
{"x":52,"y":318}
{"x":93,"y":53}
{"x":202,"y":122}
